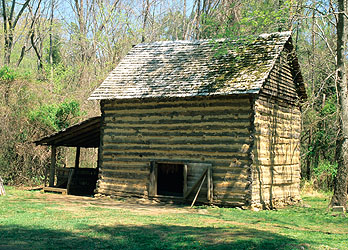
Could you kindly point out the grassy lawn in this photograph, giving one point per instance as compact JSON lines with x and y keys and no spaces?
{"x":32,"y":220}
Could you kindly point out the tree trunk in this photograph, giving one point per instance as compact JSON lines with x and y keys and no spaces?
{"x":146,"y":14}
{"x":8,"y":48}
{"x":51,"y":40}
{"x":2,"y":189}
{"x":339,"y":197}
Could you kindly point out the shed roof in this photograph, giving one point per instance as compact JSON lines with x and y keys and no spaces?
{"x":85,"y":134}
{"x":194,"y":68}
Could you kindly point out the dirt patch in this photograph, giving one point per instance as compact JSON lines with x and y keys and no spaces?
{"x":142,"y":206}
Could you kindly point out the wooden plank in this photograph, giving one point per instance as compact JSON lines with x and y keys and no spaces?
{"x":196,"y":184}
{"x":53,"y":166}
{"x":55,"y":190}
{"x":199,"y":189}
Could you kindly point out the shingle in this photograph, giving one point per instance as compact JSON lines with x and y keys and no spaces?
{"x":193,"y":68}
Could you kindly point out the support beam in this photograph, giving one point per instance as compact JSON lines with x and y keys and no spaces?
{"x":77,"y":157}
{"x":209,"y":185}
{"x":185,"y":179}
{"x":53,"y":165}
{"x":71,"y":175}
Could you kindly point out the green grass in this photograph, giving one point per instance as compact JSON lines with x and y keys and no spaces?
{"x":32,"y":220}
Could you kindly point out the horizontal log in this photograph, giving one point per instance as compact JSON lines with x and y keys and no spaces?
{"x":144,"y":181}
{"x":276,"y":128}
{"x":223,"y":112}
{"x":276,"y":193}
{"x":150,"y":152}
{"x":125,"y":164}
{"x":229,"y":162}
{"x":115,"y":169}
{"x":192,"y":147}
{"x":129,"y":187}
{"x":231,"y":190}
{"x":236,"y":126}
{"x":278,"y":90}
{"x":228,"y":108}
{"x":276,"y":182}
{"x":225,"y":197}
{"x":278,"y":168}
{"x":170,"y":121}
{"x":277,"y":160}
{"x":289,"y":126}
{"x":230,"y":203}
{"x":276,"y":134}
{"x":160,"y":139}
{"x":176,"y":102}
{"x":226,"y":184}
{"x":125,"y":175}
{"x":266,"y":147}
{"x":124,"y":193}
{"x":176,"y":132}
{"x":229,"y":176}
{"x":259,"y":138}
{"x":264,"y":111}
{"x":271,"y":103}
{"x":267,"y":153}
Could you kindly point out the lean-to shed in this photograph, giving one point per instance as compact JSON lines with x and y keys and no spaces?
{"x":220,"y":119}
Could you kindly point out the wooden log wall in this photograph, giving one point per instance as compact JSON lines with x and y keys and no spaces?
{"x":212,"y":130}
{"x":277,"y":120}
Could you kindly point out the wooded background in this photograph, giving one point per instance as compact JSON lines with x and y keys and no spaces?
{"x":55,"y":52}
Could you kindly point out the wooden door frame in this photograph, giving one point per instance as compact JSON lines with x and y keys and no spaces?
{"x":207,"y":174}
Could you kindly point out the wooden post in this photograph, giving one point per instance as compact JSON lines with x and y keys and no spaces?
{"x":53,"y":165}
{"x":185,"y":180}
{"x":77,"y":157}
{"x":71,"y":174}
{"x":209,"y":183}
{"x":153,"y":179}
{"x":99,"y":158}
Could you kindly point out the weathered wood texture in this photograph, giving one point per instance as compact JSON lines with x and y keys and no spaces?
{"x":213,"y":130}
{"x":276,"y":150}
{"x":2,"y":189}
{"x":53,"y":165}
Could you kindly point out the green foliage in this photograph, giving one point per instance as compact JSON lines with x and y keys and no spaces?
{"x":254,"y":17}
{"x":330,"y":106}
{"x":56,"y":116}
{"x":326,"y":168}
{"x":56,"y":50}
{"x":7,"y":74}
{"x":324,"y":174}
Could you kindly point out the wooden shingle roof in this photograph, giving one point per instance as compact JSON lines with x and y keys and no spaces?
{"x":193,"y":68}
{"x":85,"y":134}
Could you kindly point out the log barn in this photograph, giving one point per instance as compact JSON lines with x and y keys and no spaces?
{"x":216,"y":122}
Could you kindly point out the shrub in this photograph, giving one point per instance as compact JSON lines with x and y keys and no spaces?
{"x":324,"y":175}
{"x":56,"y":116}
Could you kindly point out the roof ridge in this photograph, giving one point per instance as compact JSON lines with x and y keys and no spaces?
{"x":200,"y":41}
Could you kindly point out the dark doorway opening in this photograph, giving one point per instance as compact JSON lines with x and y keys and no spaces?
{"x":170,"y":179}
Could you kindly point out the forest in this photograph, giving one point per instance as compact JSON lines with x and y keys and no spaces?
{"x":54,"y":53}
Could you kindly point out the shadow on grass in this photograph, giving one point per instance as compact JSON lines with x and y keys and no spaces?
{"x":143,"y":237}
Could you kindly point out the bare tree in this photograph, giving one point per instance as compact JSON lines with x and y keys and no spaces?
{"x":10,"y":21}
